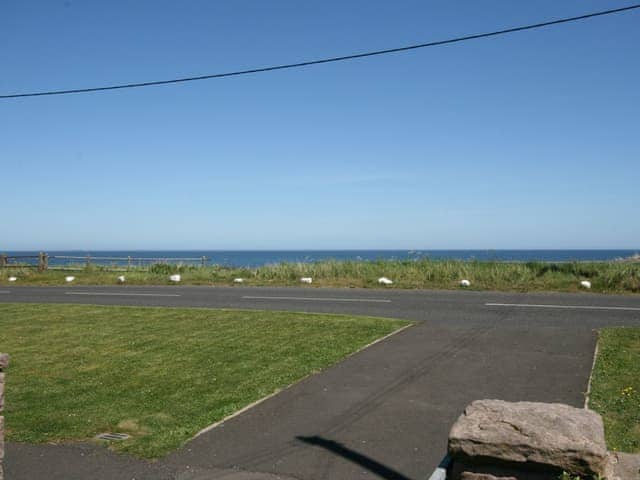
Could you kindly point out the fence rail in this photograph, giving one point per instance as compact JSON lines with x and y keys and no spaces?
{"x":44,"y":261}
{"x":22,"y":261}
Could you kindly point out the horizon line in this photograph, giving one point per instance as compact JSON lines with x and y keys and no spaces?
{"x":510,"y":249}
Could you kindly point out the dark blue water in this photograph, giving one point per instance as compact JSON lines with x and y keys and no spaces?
{"x":258,"y":258}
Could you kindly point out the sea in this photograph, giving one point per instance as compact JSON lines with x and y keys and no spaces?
{"x":258,"y":258}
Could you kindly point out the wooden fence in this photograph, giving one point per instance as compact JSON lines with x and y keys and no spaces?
{"x":44,"y":261}
{"x":40,"y":261}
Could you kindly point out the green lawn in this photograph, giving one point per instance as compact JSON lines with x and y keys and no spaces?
{"x":159,"y":374}
{"x":615,"y":389}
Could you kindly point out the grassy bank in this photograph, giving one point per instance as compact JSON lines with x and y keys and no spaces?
{"x":606,"y":277}
{"x":158,"y":374}
{"x":615,"y":390}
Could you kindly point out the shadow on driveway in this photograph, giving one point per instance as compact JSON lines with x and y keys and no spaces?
{"x":370,"y":464}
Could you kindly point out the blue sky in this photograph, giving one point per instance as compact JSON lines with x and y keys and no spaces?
{"x":529,"y":140}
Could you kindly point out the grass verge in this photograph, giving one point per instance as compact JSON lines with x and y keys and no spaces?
{"x":615,"y":387}
{"x":605,"y":277}
{"x":158,"y":374}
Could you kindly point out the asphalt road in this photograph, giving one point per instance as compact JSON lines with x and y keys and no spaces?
{"x":383,"y":413}
{"x":467,"y":307}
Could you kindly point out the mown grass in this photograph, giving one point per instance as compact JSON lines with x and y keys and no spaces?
{"x":606,"y":277}
{"x":615,"y":388}
{"x":158,"y":374}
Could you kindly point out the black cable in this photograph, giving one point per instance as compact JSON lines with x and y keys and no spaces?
{"x":324,"y":60}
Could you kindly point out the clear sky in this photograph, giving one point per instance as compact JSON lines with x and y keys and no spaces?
{"x":529,"y":140}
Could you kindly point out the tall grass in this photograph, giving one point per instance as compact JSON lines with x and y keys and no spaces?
{"x":615,"y":277}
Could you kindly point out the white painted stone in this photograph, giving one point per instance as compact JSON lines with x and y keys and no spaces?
{"x":12,"y":279}
{"x":385,"y":281}
{"x":585,"y":284}
{"x":306,"y":280}
{"x":69,"y":279}
{"x":238,"y":280}
{"x":121,"y":279}
{"x":465,"y":283}
{"x":175,"y":278}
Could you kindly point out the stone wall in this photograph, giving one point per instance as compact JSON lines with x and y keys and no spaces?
{"x":4,"y":361}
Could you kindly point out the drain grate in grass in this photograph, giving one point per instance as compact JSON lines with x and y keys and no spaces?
{"x":112,"y":436}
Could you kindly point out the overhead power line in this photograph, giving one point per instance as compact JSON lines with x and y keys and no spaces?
{"x":325,"y":60}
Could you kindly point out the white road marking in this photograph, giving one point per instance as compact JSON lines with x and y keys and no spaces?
{"x":124,"y":294}
{"x":568,"y":307}
{"x":319,"y":299}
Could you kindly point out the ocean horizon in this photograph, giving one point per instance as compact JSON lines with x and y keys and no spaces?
{"x":257,"y":258}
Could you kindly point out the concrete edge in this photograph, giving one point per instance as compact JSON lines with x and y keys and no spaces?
{"x":593,"y":366}
{"x":264,"y":399}
{"x":440,"y":473}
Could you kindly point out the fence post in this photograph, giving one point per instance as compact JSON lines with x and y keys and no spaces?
{"x":128,"y":262}
{"x":4,"y":362}
{"x":3,"y":260}
{"x":204,"y":260}
{"x":43,"y":261}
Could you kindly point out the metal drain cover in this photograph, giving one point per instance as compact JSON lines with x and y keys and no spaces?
{"x":112,"y":436}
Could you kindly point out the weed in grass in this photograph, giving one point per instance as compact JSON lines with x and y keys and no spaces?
{"x":568,"y":476}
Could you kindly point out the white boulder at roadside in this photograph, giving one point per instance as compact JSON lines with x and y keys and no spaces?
{"x":175,"y":278}
{"x":384,"y":281}
{"x":121,"y":279}
{"x":306,"y":280}
{"x":69,"y":279}
{"x":238,"y":280}
{"x":12,"y":279}
{"x":585,"y":284}
{"x":465,"y":283}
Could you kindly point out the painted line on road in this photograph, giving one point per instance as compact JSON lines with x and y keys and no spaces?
{"x":567,"y":307}
{"x":319,"y":299}
{"x":111,"y":294}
